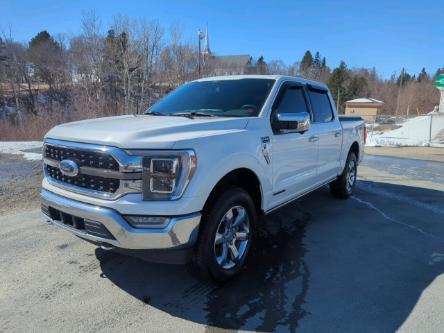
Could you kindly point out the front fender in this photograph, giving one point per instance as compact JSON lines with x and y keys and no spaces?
{"x":231,"y":152}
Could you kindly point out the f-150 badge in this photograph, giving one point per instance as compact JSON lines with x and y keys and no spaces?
{"x":265,"y":141}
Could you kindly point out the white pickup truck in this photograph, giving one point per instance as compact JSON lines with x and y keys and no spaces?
{"x":192,"y":174}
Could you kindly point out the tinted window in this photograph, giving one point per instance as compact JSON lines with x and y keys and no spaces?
{"x":321,"y":106}
{"x":292,"y":101}
{"x":223,"y":98}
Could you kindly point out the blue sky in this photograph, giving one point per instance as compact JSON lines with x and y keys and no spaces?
{"x":387,"y":34}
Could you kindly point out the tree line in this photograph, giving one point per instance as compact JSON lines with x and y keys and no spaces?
{"x":403,"y":94}
{"x":128,"y":66}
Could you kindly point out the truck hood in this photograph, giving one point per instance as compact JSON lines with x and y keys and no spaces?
{"x":143,"y":131}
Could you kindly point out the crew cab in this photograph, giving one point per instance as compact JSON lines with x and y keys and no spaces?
{"x":193,"y":172}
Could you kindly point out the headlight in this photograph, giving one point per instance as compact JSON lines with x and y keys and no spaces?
{"x":166,"y":174}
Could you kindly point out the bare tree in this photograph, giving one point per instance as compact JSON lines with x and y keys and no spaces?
{"x":151,"y":34}
{"x":178,"y":59}
{"x":277,"y":67}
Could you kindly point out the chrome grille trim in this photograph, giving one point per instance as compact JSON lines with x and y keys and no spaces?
{"x":129,"y":175}
{"x":105,"y":173}
{"x":127,"y":163}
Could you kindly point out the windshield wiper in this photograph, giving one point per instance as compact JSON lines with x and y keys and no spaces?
{"x":193,"y":114}
{"x":155,"y":113}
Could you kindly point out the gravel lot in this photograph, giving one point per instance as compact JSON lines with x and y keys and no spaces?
{"x":19,"y":183}
{"x":373,"y":263}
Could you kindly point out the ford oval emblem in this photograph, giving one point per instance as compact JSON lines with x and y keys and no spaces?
{"x":69,"y":168}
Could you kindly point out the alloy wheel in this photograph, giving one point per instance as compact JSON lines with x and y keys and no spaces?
{"x":232,"y":237}
{"x":351,"y":175}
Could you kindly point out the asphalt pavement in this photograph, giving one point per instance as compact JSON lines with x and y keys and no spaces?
{"x":372,"y":263}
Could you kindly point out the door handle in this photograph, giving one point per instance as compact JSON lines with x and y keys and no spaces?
{"x":313,"y":138}
{"x":338,"y":134}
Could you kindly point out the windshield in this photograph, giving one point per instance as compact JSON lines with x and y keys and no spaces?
{"x":223,"y":98}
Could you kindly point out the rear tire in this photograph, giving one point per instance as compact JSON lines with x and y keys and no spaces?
{"x":225,"y":235}
{"x":343,"y":186}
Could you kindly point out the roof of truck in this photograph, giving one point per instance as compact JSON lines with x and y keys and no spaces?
{"x":272,"y":77}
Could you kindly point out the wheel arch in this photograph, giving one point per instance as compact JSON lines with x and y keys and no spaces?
{"x":355,"y":149}
{"x":244,"y":178}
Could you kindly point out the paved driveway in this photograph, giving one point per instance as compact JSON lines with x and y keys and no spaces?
{"x":373,"y":263}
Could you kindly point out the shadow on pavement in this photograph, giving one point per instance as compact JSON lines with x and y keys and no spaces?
{"x":297,"y":245}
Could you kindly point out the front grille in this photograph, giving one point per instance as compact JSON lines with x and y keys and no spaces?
{"x":91,"y":227}
{"x":94,"y":183}
{"x":83,"y":158}
{"x":99,"y":171}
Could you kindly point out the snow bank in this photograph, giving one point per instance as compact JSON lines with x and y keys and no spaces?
{"x":413,"y":132}
{"x":20,"y":148}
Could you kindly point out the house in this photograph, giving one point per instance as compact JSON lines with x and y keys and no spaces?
{"x":367,"y":108}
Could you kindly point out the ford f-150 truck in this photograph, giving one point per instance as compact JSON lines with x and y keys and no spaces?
{"x":196,"y":169}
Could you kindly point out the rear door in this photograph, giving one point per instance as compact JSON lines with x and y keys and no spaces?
{"x":294,"y":155}
{"x":329,"y":133}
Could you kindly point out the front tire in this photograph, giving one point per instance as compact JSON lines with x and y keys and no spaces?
{"x":226,"y":235}
{"x":343,"y":186}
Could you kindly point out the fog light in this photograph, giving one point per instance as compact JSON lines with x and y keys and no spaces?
{"x":152,"y":222}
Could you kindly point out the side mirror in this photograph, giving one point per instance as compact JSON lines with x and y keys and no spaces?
{"x":293,"y":122}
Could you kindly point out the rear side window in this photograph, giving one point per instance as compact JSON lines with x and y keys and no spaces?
{"x":292,"y":101}
{"x":322,"y":111}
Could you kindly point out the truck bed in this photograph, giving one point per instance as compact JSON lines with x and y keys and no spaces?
{"x":350,"y":118}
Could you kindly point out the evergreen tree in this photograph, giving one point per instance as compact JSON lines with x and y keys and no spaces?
{"x":261,"y":65}
{"x":403,"y":78}
{"x":306,"y":62}
{"x":423,"y":76}
{"x":356,"y":88}
{"x":2,"y":50}
{"x":337,"y":82}
{"x":317,"y":60}
{"x":46,"y":59}
{"x":324,"y":63}
{"x":439,"y":71}
{"x":315,"y":70}
{"x":250,"y":67}
{"x":43,"y":38}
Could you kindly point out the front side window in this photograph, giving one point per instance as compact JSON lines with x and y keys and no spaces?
{"x":221,"y":98}
{"x":292,"y":101}
{"x":320,"y":103}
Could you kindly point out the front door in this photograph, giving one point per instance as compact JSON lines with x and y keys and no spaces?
{"x":294,"y":155}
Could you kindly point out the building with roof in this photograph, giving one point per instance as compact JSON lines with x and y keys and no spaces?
{"x":225,"y":64}
{"x":232,"y":64}
{"x":367,"y":108}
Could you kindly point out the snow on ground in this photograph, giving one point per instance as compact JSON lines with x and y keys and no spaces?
{"x":413,"y":132}
{"x":21,"y":148}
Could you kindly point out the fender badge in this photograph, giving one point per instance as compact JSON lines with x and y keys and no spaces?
{"x":265,"y":140}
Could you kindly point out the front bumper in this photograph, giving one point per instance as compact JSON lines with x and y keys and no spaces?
{"x":179,"y":233}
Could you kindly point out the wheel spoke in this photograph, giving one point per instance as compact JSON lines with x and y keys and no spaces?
{"x":229,"y":215}
{"x":239,"y":218}
{"x":233,"y":251}
{"x":241,"y":235}
{"x":223,"y":257}
{"x":219,"y":239}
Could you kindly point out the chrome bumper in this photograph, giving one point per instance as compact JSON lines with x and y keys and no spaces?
{"x":180,"y":232}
